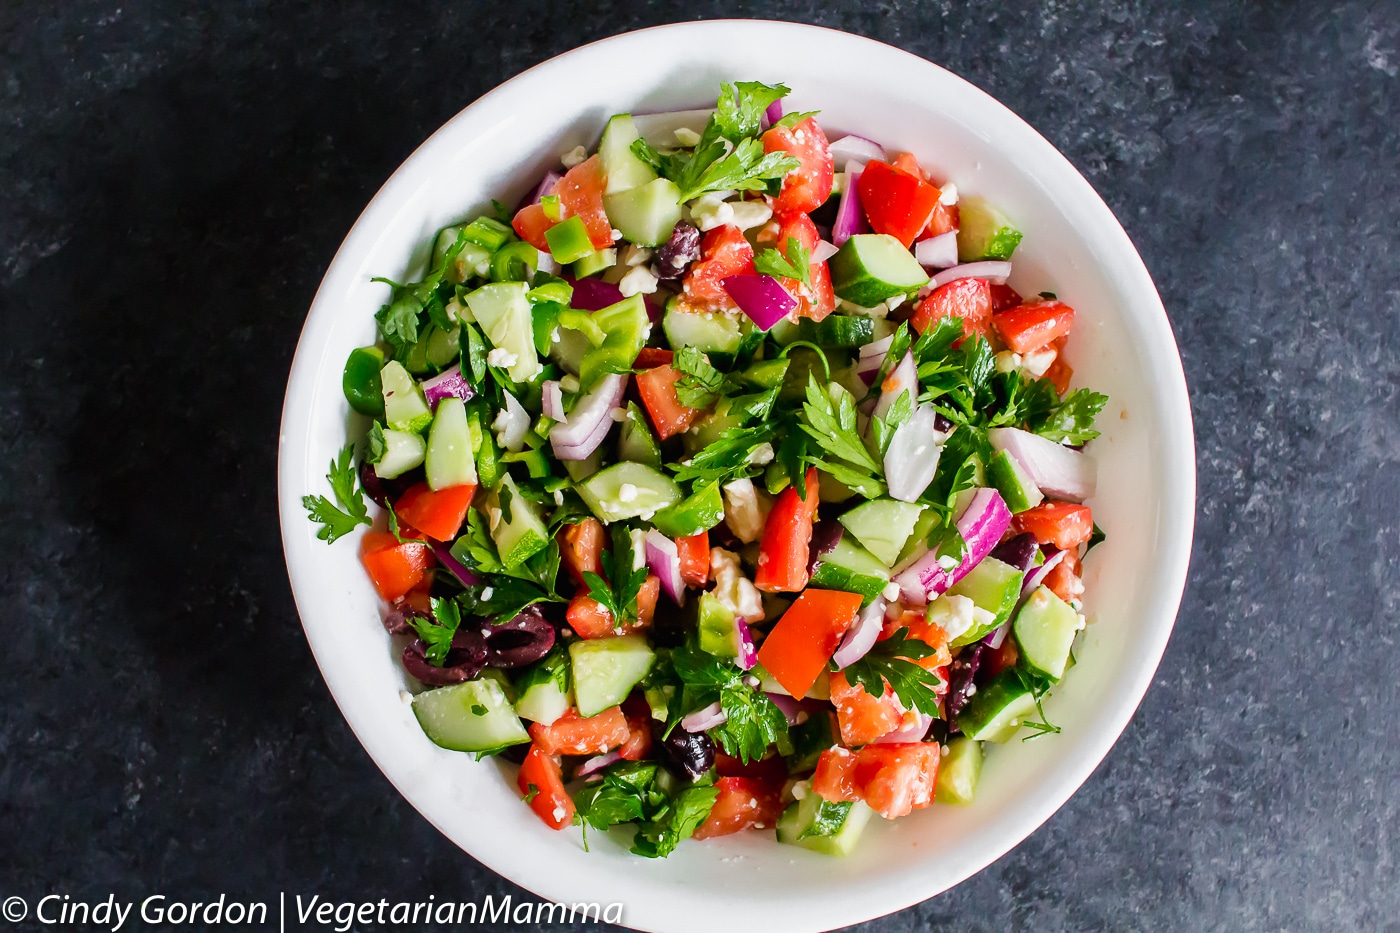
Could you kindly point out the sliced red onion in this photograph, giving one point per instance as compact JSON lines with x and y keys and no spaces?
{"x":457,"y":568}
{"x":703,"y":719}
{"x":862,"y":636}
{"x":871,"y":356}
{"x":1061,"y":472}
{"x":546,"y":263}
{"x":823,"y":252}
{"x":511,"y":424}
{"x":914,"y":732}
{"x":903,"y":378}
{"x":787,"y":704}
{"x":912,"y":456}
{"x":592,"y":294}
{"x":552,"y":400}
{"x":659,"y":129}
{"x":850,"y":217}
{"x":982,"y":524}
{"x":761,"y":297}
{"x":450,"y":383}
{"x":590,"y":420}
{"x":597,"y":763}
{"x":664,"y":560}
{"x":773,"y":114}
{"x":994,"y":272}
{"x":546,"y":185}
{"x":1037,"y":575}
{"x":748,"y":654}
{"x":939,"y":252}
{"x":995,"y":639}
{"x":849,"y":149}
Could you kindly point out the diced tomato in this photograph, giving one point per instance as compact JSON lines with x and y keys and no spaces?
{"x":896,"y":202}
{"x":438,"y":514}
{"x":905,"y":162}
{"x":541,"y":781}
{"x":581,"y":548}
{"x":862,"y":717}
{"x":394,"y":568}
{"x":723,"y":252}
{"x":898,"y":778}
{"x":1063,"y":524}
{"x":806,"y":187}
{"x":648,"y":357}
{"x":571,"y":734}
{"x":816,"y":300}
{"x":931,"y":634}
{"x":1004,"y":297}
{"x":694,"y":552}
{"x":787,"y":533}
{"x":531,"y":223}
{"x":1059,"y":374}
{"x":999,"y":659}
{"x":835,"y":777}
{"x":804,"y":639}
{"x":1031,"y":326}
{"x":647,"y":596}
{"x":944,"y":220}
{"x":591,"y":619}
{"x":420,"y":598}
{"x":743,"y":803}
{"x":969,"y":299}
{"x":581,"y":193}
{"x":1064,"y":578}
{"x":657,"y":387}
{"x":638,"y":714}
{"x":772,"y":769}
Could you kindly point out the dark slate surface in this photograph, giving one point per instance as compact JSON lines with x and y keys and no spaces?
{"x":175,"y":177}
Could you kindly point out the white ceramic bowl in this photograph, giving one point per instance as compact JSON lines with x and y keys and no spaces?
{"x":1122,"y":345}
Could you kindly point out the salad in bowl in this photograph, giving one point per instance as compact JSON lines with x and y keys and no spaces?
{"x":724,"y":484}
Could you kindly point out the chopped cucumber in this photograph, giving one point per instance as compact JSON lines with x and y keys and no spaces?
{"x":628,"y":490}
{"x":959,"y":772}
{"x":506,"y":315}
{"x":515,"y":523}
{"x":621,"y":167}
{"x":991,"y":585}
{"x":580,"y":470}
{"x":568,"y":241}
{"x":1045,"y":628}
{"x":983,"y":231}
{"x":852,"y":568}
{"x":635,"y":442}
{"x":715,"y":332}
{"x":708,"y":427}
{"x":837,"y":330}
{"x":872,"y":267}
{"x":997,"y":709}
{"x":544,"y":688}
{"x":473,"y":259}
{"x":821,"y":689}
{"x":402,"y":452}
{"x":718,"y":634}
{"x":917,"y":543}
{"x":647,"y":214}
{"x":883,"y":525}
{"x":606,"y":669}
{"x":442,"y":346}
{"x":475,"y":716}
{"x":448,"y":459}
{"x":702,"y":510}
{"x":823,"y":826}
{"x":360,"y":381}
{"x":1017,"y":489}
{"x":404,"y":406}
{"x":766,"y":374}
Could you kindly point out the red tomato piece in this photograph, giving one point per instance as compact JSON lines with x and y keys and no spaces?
{"x":694,"y":552}
{"x":804,"y":639}
{"x":905,"y":162}
{"x":1059,"y":374}
{"x":862,"y":717}
{"x":1004,"y":297}
{"x":999,"y":659}
{"x":648,"y":357}
{"x":772,"y":770}
{"x":638,"y":744}
{"x":588,"y":617}
{"x":1063,"y":524}
{"x":1031,"y":326}
{"x":787,"y":533}
{"x":944,"y":220}
{"x":530,"y":224}
{"x":571,"y":734}
{"x":394,"y":568}
{"x":1064,"y":578}
{"x":723,"y":252}
{"x":743,"y":803}
{"x":969,"y":299}
{"x":898,"y":778}
{"x":580,"y":193}
{"x":835,"y":777}
{"x":896,"y":202}
{"x":657,"y":387}
{"x":806,"y":187}
{"x":647,"y":596}
{"x":541,"y":781}
{"x":817,"y":299}
{"x":438,"y":514}
{"x":581,"y":548}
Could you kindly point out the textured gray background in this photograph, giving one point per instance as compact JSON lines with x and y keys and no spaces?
{"x":174,"y":179}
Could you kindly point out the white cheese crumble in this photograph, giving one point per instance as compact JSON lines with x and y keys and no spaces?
{"x":574,"y":156}
{"x":1008,"y":362}
{"x":747,"y":214}
{"x":634,"y":255}
{"x":761,"y":455}
{"x":627,"y":493}
{"x":890,"y":592}
{"x":489,"y":591}
{"x":638,"y":281}
{"x":639,"y":544}
{"x":733,"y":590}
{"x":1036,"y":362}
{"x":502,"y":358}
{"x":745,"y":509}
{"x":948,"y":195}
{"x":619,"y":415}
{"x":712,"y":210}
{"x":953,"y":614}
{"x":947,"y":562}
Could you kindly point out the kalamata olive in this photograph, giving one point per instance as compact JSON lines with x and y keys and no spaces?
{"x":688,"y":754}
{"x":396,"y":622}
{"x":960,"y":675}
{"x":465,"y":660}
{"x":825,"y":536}
{"x":677,"y":253}
{"x":1018,"y":551}
{"x":520,"y":641}
{"x":941,"y":422}
{"x":380,"y":491}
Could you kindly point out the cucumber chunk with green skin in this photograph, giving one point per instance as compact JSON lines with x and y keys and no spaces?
{"x":821,"y":689}
{"x":702,"y":510}
{"x":917,"y":543}
{"x":627,"y":490}
{"x":580,"y":470}
{"x":405,"y":409}
{"x":569,"y":240}
{"x":448,"y":460}
{"x":997,"y":709}
{"x":873,"y":267}
{"x":718,"y":634}
{"x":991,"y":585}
{"x":635,"y":442}
{"x":851,"y":568}
{"x":1045,"y":627}
{"x":708,"y":427}
{"x":1017,"y":489}
{"x":647,"y":214}
{"x":622,"y":169}
{"x":606,"y":669}
{"x":983,"y":231}
{"x":475,"y":716}
{"x":837,"y":330}
{"x":508,"y":319}
{"x":544,"y":688}
{"x":594,"y":262}
{"x":883,"y":526}
{"x":472,"y":260}
{"x":403,"y":451}
{"x":766,"y":374}
{"x":360,"y":381}
{"x":823,"y":826}
{"x":715,"y":332}
{"x":959,"y":772}
{"x":515,"y":523}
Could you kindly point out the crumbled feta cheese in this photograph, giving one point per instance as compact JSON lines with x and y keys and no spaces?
{"x":687,"y":137}
{"x":559,"y":496}
{"x":948,"y":194}
{"x":1036,"y":362}
{"x":947,"y":562}
{"x":890,"y":592}
{"x":971,"y":690}
{"x":616,"y":234}
{"x":894,"y":301}
{"x":747,"y":214}
{"x":711,"y":210}
{"x":489,"y":591}
{"x":626,"y":493}
{"x":761,"y":455}
{"x":953,"y":614}
{"x":574,"y":156}
{"x":554,"y":335}
{"x":454,"y":309}
{"x":559,"y":813}
{"x":639,"y":546}
{"x":746,"y":509}
{"x":502,"y":358}
{"x":405,"y":698}
{"x":1008,"y":362}
{"x":638,"y":281}
{"x":733,"y":590}
{"x":634,"y":255}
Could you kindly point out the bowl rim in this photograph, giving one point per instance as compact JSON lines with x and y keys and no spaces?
{"x":1179,"y":469}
